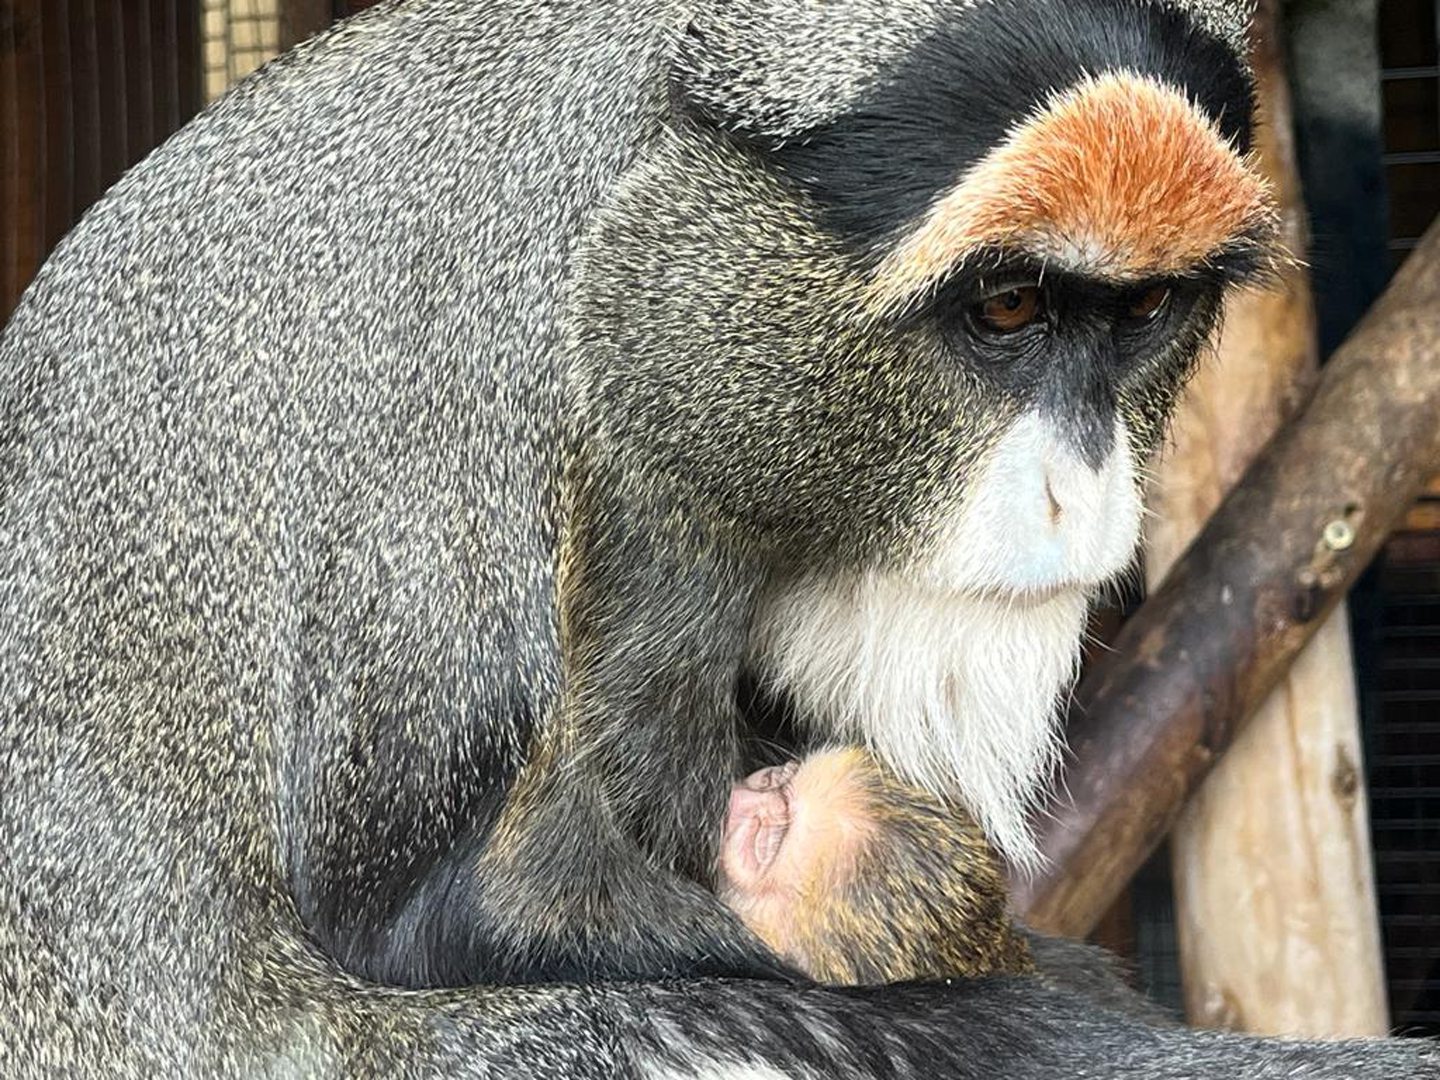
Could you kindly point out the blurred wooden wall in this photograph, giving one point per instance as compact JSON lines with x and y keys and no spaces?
{"x":87,"y":88}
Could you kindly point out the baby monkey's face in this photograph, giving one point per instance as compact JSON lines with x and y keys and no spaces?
{"x":810,"y":858}
{"x":790,"y":836}
{"x":757,"y":826}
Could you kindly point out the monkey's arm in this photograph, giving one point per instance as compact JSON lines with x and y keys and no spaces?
{"x":563,"y":894}
{"x":588,"y":862}
{"x":621,"y":808}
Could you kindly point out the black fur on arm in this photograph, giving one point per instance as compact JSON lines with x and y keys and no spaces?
{"x":624,"y":801}
{"x":593,"y":859}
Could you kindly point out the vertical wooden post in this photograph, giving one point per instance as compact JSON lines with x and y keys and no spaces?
{"x":139,"y":67}
{"x":86,"y":90}
{"x":58,"y":166}
{"x":1274,"y":888}
{"x":87,"y":166}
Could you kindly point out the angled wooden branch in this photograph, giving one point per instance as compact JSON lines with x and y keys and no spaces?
{"x":1205,"y":649}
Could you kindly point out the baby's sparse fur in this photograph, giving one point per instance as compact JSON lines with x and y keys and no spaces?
{"x":899,"y":885}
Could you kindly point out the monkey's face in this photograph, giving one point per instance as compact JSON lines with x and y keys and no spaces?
{"x":938,"y":328}
{"x":810,"y":856}
{"x":897,"y":303}
{"x":1085,"y":370}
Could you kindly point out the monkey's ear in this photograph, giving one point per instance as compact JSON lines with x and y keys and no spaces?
{"x":1229,"y":20}
{"x":771,"y":70}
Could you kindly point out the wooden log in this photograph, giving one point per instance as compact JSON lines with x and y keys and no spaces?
{"x":87,"y":166}
{"x":1273,"y":873}
{"x":1210,"y":644}
{"x":185,"y":24}
{"x":1271,"y":863}
{"x":139,"y":68}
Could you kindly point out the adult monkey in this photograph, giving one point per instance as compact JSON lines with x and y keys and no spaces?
{"x":399,"y":468}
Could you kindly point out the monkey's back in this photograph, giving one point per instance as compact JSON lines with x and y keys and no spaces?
{"x":281,"y":426}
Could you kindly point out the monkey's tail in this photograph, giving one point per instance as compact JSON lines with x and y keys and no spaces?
{"x":1010,"y":1027}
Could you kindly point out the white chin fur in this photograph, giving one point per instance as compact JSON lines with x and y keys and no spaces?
{"x":956,"y":693}
{"x":1038,"y":518}
{"x":950,"y":670}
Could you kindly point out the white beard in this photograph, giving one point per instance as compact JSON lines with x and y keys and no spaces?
{"x":950,"y":668}
{"x":955,"y":692}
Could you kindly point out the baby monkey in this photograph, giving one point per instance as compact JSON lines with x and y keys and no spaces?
{"x":820,"y":859}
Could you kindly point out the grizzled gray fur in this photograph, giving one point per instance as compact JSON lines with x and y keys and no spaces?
{"x":367,"y":700}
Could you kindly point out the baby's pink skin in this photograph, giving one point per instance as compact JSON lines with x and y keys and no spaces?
{"x":761,"y":810}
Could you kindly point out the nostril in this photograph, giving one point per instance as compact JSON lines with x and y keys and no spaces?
{"x":1056,"y":512}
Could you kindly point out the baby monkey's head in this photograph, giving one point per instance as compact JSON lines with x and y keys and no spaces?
{"x":858,"y":878}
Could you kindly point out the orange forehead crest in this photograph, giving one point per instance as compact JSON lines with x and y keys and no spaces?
{"x":1120,"y":176}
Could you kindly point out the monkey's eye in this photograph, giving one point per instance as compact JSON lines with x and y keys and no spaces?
{"x":1009,"y":310}
{"x":1145,"y":305}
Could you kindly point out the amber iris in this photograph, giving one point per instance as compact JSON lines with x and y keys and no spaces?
{"x":1148,"y":303}
{"x":1011,"y":310}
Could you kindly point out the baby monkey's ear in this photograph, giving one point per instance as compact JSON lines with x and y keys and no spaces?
{"x":772,"y":70}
